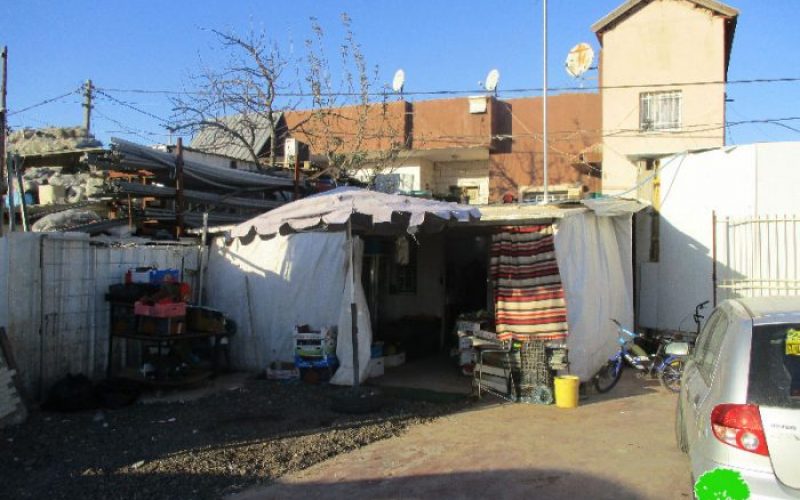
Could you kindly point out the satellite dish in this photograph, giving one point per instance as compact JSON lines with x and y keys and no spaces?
{"x":579,"y":59}
{"x":492,"y":79}
{"x":398,"y":81}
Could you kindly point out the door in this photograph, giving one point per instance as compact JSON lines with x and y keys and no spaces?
{"x":698,"y":377}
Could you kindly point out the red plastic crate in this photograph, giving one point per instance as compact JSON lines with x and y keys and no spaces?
{"x":166,"y":310}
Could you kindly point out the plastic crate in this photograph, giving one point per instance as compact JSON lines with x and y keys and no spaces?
{"x":315,"y":362}
{"x":166,"y":310}
{"x":159,"y":276}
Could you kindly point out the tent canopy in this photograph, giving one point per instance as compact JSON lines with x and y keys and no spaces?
{"x":366,"y":209}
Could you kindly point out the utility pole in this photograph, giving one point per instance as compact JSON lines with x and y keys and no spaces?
{"x":87,"y":107}
{"x":179,"y":189}
{"x":544,"y":102}
{"x":3,"y":117}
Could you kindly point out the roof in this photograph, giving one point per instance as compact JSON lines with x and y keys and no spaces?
{"x":336,"y":207}
{"x":772,"y":309}
{"x":631,"y":6}
{"x":255,"y":128}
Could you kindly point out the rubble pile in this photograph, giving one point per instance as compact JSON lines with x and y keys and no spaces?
{"x":50,"y":140}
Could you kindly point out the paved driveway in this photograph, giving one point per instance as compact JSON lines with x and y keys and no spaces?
{"x":619,"y":445}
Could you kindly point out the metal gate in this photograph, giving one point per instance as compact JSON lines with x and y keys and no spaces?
{"x":756,"y":256}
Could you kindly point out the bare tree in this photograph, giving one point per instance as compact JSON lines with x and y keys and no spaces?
{"x":238,"y":104}
{"x":344,"y":123}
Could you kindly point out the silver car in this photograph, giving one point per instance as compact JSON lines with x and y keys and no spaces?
{"x":739,"y":405}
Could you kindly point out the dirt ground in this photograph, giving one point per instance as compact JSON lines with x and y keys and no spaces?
{"x":204,"y":448}
{"x":614,"y":446}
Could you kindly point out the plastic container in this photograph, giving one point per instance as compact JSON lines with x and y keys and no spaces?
{"x":376,"y":351}
{"x":159,"y":276}
{"x":566,"y":389}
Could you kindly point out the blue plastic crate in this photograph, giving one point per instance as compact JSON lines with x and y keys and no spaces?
{"x":159,"y":276}
{"x":316,"y":362}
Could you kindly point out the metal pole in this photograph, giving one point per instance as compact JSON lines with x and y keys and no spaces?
{"x":544,"y":101}
{"x":11,"y":205}
{"x":714,"y":256}
{"x":23,"y":205}
{"x":353,"y":307}
{"x":3,"y":81}
{"x":87,"y":107}
{"x":297,"y":173}
{"x":202,"y":259}
{"x":179,"y":189}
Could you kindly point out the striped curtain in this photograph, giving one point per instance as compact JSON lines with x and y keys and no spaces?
{"x":528,"y":296}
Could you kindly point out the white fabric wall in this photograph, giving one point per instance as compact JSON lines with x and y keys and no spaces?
{"x":756,"y":179}
{"x":594,"y":259}
{"x":268,"y":286}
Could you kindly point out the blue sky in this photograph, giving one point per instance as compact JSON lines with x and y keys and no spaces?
{"x":441,"y":45}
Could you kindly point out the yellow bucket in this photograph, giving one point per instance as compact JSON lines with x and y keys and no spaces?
{"x":567,"y":391}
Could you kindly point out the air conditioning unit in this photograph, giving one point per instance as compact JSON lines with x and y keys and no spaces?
{"x":555,"y":193}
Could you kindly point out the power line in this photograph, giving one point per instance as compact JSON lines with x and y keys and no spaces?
{"x":130,"y":106}
{"x":482,"y":91}
{"x":46,"y":101}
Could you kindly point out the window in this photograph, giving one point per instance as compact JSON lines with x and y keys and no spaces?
{"x":774,"y":378}
{"x":709,"y":344}
{"x":660,"y":110}
{"x":403,"y":269}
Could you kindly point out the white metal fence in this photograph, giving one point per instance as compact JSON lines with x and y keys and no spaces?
{"x":52,"y":299}
{"x":757,"y":256}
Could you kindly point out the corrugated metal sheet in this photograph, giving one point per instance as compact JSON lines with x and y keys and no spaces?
{"x":255,"y":128}
{"x":138,"y":156}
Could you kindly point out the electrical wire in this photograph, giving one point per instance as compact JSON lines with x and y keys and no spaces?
{"x":42,"y":103}
{"x":790,"y":79}
{"x":134,"y":108}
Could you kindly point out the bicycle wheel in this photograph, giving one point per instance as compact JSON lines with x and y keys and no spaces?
{"x":670,"y":375}
{"x":608,"y":376}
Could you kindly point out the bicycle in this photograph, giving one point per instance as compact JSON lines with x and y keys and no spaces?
{"x":666,"y":363}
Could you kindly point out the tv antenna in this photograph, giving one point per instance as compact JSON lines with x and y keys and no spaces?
{"x":579,"y":60}
{"x":492,"y":79}
{"x":399,"y":81}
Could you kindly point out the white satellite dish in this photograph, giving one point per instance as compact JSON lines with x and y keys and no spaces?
{"x":399,"y":81}
{"x":492,"y":80}
{"x":579,"y":60}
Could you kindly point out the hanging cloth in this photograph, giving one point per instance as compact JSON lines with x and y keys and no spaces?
{"x":528,"y":295}
{"x":401,"y":251}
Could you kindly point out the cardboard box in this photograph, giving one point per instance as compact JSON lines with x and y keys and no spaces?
{"x":395,"y":360}
{"x":376,"y":367}
{"x":466,"y":357}
{"x":51,"y":195}
{"x":468,"y":326}
{"x":150,"y":325}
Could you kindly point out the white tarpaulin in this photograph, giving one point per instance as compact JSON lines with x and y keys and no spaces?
{"x":344,"y":344}
{"x":594,"y":259}
{"x":269,"y":285}
{"x":338,"y":206}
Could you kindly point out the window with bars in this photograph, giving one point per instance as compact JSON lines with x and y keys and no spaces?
{"x":660,"y":110}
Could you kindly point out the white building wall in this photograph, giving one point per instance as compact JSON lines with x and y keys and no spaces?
{"x":757,"y":179}
{"x":464,"y":174}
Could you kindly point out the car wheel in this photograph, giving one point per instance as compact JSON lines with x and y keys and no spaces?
{"x":680,"y":430}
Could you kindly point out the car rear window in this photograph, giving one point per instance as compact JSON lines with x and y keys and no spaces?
{"x":775,"y":366}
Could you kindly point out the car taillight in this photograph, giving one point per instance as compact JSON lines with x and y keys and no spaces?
{"x":739,"y":426}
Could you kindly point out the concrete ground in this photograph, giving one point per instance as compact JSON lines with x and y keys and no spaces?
{"x":618,"y":445}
